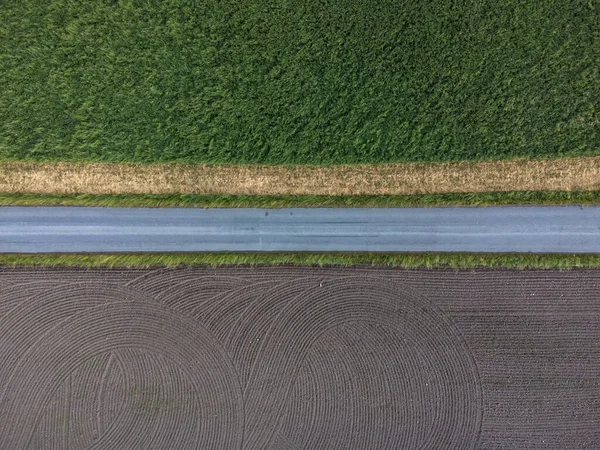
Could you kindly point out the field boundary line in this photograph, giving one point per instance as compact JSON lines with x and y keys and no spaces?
{"x":569,"y":174}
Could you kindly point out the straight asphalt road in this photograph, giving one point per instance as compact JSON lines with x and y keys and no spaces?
{"x":494,"y":229}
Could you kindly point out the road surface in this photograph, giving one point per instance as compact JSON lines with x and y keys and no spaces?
{"x":497,"y":229}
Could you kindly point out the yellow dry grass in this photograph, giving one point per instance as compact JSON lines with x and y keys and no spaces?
{"x":525,"y":175}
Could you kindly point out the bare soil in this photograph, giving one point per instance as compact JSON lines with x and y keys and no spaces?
{"x":490,"y":176}
{"x":299,"y":358}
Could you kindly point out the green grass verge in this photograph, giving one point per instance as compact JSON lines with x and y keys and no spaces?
{"x":319,"y":82}
{"x":407,"y":260}
{"x":249,"y":201}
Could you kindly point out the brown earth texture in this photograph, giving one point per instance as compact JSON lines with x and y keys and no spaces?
{"x":299,"y":358}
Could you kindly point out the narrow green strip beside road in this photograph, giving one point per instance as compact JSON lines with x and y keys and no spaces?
{"x":301,"y":201}
{"x":401,"y":260}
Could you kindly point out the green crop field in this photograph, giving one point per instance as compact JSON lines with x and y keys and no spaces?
{"x":298,"y":81}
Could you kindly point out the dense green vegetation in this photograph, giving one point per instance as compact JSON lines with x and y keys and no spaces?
{"x":408,"y":260}
{"x":306,"y":201}
{"x":281,"y":81}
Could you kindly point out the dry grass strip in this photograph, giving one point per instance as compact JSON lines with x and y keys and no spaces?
{"x":521,"y":175}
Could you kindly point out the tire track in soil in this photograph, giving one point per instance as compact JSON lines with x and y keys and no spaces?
{"x":110,"y":326}
{"x":304,"y":359}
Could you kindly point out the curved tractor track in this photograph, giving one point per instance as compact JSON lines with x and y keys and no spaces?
{"x":245,"y":359}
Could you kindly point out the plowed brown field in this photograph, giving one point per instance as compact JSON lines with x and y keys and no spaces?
{"x":299,"y":358}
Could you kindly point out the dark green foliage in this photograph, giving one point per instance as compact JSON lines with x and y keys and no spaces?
{"x":303,"y":81}
{"x":305,"y":201}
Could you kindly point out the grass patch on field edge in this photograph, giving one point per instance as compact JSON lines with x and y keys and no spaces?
{"x":401,"y":260}
{"x":301,"y":201}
